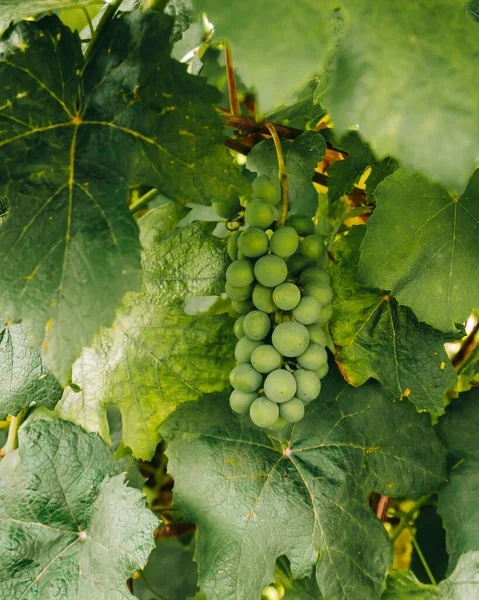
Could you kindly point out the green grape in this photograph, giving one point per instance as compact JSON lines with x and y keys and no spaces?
{"x":322,"y":371}
{"x":307,"y":310}
{"x":314,"y":274}
{"x":256,"y":325}
{"x":284,"y":242}
{"x":313,"y":358}
{"x":280,"y":386}
{"x":232,"y":245}
{"x":238,"y":327}
{"x":297,"y":263}
{"x":286,"y":296}
{"x":245,"y":379}
{"x":301,"y":223}
{"x":312,"y":247}
{"x":325,"y":314}
{"x":253,"y":242}
{"x":263,"y":298}
{"x":227,"y":208}
{"x":259,"y":213}
{"x":238,"y":293}
{"x":321,"y":292}
{"x":242,"y":307}
{"x":270,"y":270}
{"x":265,"y":359}
{"x":241,"y":402}
{"x":267,"y":189}
{"x":240,"y":273}
{"x":292,"y":411}
{"x":308,"y":385}
{"x":279,"y":424}
{"x":316,"y":334}
{"x":263,"y":412}
{"x":244,"y":348}
{"x":290,"y":338}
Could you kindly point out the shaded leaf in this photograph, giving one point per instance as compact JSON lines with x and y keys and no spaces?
{"x":303,"y":111}
{"x":17,"y":10}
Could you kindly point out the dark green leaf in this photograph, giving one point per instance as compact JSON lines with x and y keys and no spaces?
{"x":374,"y":337}
{"x":423,"y":108}
{"x":404,"y":585}
{"x":69,"y":526}
{"x":427,"y":243}
{"x":256,"y":496}
{"x":303,"y":112}
{"x":24,"y":380}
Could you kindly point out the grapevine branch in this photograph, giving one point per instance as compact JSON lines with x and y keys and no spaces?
{"x":283,"y":176}
{"x":230,"y":74}
{"x":468,"y":346}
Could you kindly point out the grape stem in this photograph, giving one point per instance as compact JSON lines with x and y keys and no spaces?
{"x":230,"y":74}
{"x":12,"y":439}
{"x":107,"y":16}
{"x":406,"y":521}
{"x":143,"y":200}
{"x":283,"y":176}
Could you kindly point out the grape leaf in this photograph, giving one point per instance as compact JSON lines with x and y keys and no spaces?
{"x":457,"y":500}
{"x":423,"y":109}
{"x":256,"y":495}
{"x":303,"y":112}
{"x":404,"y":585}
{"x":156,"y":355}
{"x":473,"y":9}
{"x":17,"y":10}
{"x":24,"y":379}
{"x":427,"y":241}
{"x":276,"y":47}
{"x":374,"y":337}
{"x":69,"y":526}
{"x":66,"y":170}
{"x":344,"y":174}
{"x":301,"y":156}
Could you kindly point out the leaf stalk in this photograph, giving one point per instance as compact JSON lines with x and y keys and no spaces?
{"x":283,"y":176}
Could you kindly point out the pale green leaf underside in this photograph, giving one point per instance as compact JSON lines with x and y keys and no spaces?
{"x":427,"y":241}
{"x":91,"y":535}
{"x":256,"y":496}
{"x":17,"y":10}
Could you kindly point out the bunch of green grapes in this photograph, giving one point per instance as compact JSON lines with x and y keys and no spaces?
{"x":283,"y":299}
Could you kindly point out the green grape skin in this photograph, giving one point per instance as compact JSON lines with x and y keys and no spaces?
{"x":290,"y":338}
{"x":316,"y":334}
{"x":240,"y":402}
{"x":256,"y":325}
{"x":286,"y":296}
{"x":259,"y":213}
{"x":284,"y":242}
{"x":301,"y":223}
{"x":232,"y":245}
{"x":242,"y":307}
{"x":238,"y":293}
{"x":314,"y":275}
{"x":240,"y":273}
{"x":279,"y":424}
{"x":227,"y":208}
{"x":325,"y":314}
{"x":279,"y":386}
{"x":313,"y":358}
{"x":244,"y":348}
{"x":292,"y":411}
{"x":263,"y":412}
{"x":245,"y":379}
{"x":307,"y":310}
{"x":308,"y":385}
{"x":263,"y":298}
{"x":321,"y":292}
{"x":253,"y":242}
{"x":312,"y":247}
{"x":238,"y":327}
{"x":265,"y":358}
{"x":322,"y":371}
{"x":297,"y":263}
{"x":270,"y":270}
{"x":267,"y":189}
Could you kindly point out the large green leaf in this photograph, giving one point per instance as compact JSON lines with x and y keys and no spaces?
{"x":422,"y":245}
{"x":406,"y":75}
{"x":17,"y":10}
{"x":69,"y":248}
{"x":156,"y":356}
{"x":256,"y":495}
{"x":374,"y":337}
{"x":69,"y":526}
{"x":24,"y":379}
{"x":276,"y":47}
{"x":304,"y":111}
{"x":458,"y":499}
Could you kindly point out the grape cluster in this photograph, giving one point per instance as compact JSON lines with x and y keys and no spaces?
{"x":283,"y":299}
